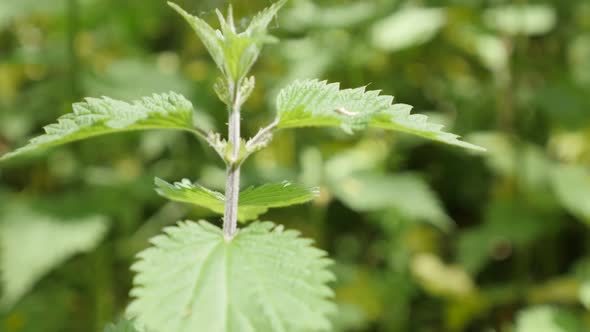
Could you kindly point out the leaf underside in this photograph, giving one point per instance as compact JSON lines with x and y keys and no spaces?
{"x":252,"y":202}
{"x":102,"y":116}
{"x":314,"y":103}
{"x":264,"y":279}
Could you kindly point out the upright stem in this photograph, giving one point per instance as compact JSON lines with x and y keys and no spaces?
{"x":232,"y":186}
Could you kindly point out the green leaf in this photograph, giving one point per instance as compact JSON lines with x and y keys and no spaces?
{"x":407,"y":194}
{"x":121,"y":326}
{"x":584,"y":293}
{"x":506,"y":223}
{"x":253,"y":201}
{"x":400,"y":31}
{"x":96,"y":117}
{"x":259,"y":23}
{"x":314,"y":103}
{"x":234,"y":52}
{"x":209,"y":36}
{"x":572,"y":186}
{"x":264,"y":279}
{"x":547,"y":319}
{"x":534,"y":19}
{"x":440,"y":279}
{"x":32,"y":244}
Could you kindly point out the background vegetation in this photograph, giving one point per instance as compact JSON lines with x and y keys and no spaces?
{"x":425,"y":237}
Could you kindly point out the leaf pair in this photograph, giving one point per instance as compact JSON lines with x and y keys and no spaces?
{"x":252,"y":202}
{"x":309,"y":103}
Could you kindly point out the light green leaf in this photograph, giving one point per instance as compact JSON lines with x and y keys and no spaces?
{"x":122,"y":326}
{"x":264,"y":279}
{"x":572,"y":186}
{"x":314,"y":103}
{"x":441,"y":279}
{"x":259,"y":23}
{"x":209,"y":36}
{"x":535,"y":19}
{"x":96,"y":117}
{"x":400,"y":31}
{"x":547,"y":319}
{"x":584,"y":293}
{"x":407,"y":194}
{"x":253,"y":201}
{"x":32,"y":244}
{"x":304,"y":15}
{"x":233,"y":52}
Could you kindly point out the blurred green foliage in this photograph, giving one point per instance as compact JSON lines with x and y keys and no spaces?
{"x":425,"y":237}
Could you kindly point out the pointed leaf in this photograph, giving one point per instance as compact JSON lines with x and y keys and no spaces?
{"x":314,"y":103}
{"x":209,"y":36}
{"x":253,"y":201}
{"x":259,"y":23}
{"x":96,"y":117}
{"x":233,"y":52}
{"x":32,"y":244}
{"x":264,"y":279}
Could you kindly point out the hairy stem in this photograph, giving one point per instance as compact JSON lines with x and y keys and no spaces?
{"x":232,"y":186}
{"x":262,"y":135}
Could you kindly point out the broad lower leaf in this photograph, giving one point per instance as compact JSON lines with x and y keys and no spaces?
{"x":253,"y":201}
{"x":264,"y":279}
{"x":32,"y":244}
{"x":96,"y":117}
{"x":314,"y":103}
{"x":233,"y":52}
{"x":572,"y":186}
{"x":122,"y":326}
{"x":547,"y":319}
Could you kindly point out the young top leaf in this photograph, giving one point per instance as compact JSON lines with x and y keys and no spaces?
{"x":96,"y":117}
{"x":253,"y":201}
{"x":263,"y":279}
{"x":314,"y":103}
{"x":234,"y":52}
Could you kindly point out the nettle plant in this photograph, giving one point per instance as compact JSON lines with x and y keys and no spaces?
{"x":261,"y":277}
